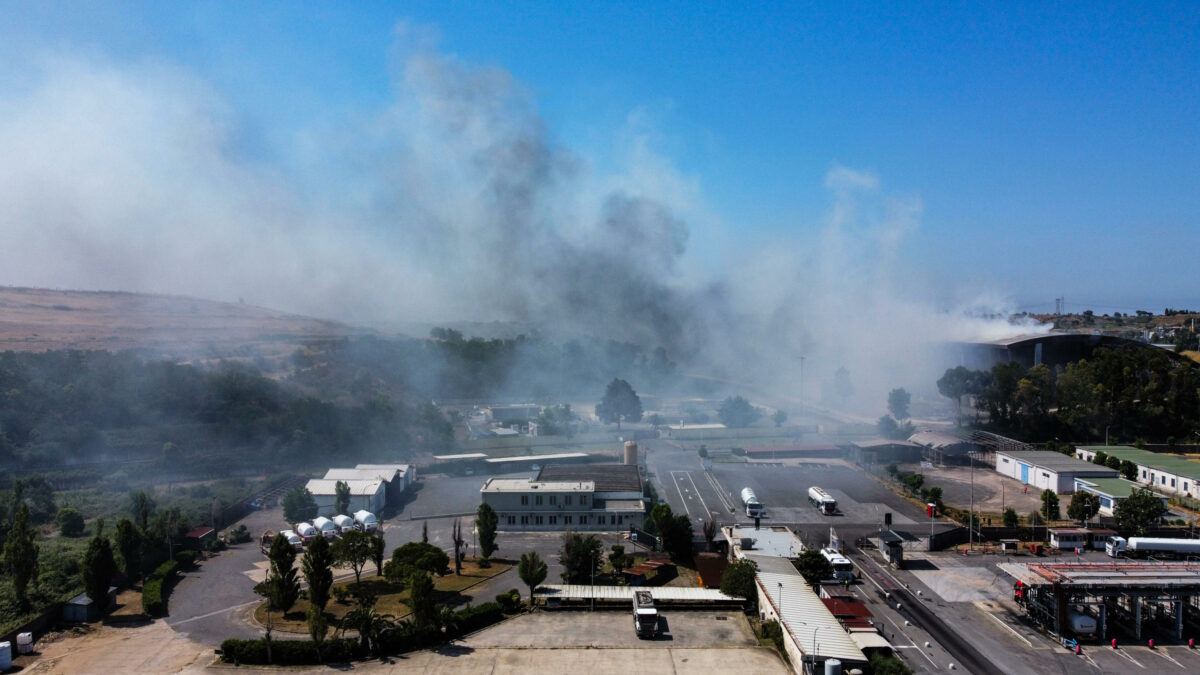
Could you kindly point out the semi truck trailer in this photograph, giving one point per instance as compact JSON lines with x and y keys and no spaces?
{"x":1142,"y":546}
{"x":754,"y":508}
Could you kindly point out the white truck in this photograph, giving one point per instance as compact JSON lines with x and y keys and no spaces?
{"x":1142,"y":546}
{"x":645,"y":615}
{"x":344,"y":523}
{"x":325,"y":526}
{"x":822,"y":500}
{"x":754,"y":508}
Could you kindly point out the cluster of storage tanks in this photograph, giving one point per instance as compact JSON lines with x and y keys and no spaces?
{"x":321,"y":526}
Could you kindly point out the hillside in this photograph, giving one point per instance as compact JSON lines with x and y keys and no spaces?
{"x":38,"y":319}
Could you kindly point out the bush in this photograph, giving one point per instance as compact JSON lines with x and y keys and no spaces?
{"x":70,"y":522}
{"x":509,"y":601}
{"x":290,"y":652}
{"x":472,"y":619}
{"x":186,"y":560}
{"x":238,"y":535}
{"x":154,"y":601}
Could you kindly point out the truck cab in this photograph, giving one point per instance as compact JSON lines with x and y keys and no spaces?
{"x":1115,"y":546}
{"x":645,"y":615}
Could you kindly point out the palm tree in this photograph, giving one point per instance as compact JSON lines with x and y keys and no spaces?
{"x":532,"y":571}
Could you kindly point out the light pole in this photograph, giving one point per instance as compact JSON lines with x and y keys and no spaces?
{"x":1106,"y":426}
{"x":813,"y":654}
{"x":780,"y":599}
{"x":593,"y":594}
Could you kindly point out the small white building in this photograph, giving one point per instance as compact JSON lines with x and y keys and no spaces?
{"x":368,"y":494}
{"x":1047,"y":470}
{"x":1167,"y":473}
{"x":603,"y":497}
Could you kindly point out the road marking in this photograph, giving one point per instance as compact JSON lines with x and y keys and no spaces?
{"x":1163,"y":653}
{"x":675,"y":479}
{"x":1125,"y":654}
{"x":1010,"y":629}
{"x":689,"y":477}
{"x":219,"y":611}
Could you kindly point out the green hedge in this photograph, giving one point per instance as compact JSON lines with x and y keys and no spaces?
{"x":509,"y":601}
{"x":472,"y":619}
{"x":290,"y":652}
{"x":154,"y":601}
{"x":186,"y":559}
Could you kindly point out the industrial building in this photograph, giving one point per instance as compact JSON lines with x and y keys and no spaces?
{"x":1137,"y":597}
{"x":605,"y":497}
{"x":1170,"y":474}
{"x":1047,"y":470}
{"x":1111,"y":491}
{"x":365,"y":494}
{"x":942,"y":446}
{"x":884,"y":451}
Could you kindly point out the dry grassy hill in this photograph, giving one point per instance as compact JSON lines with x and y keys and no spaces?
{"x":37,"y":319}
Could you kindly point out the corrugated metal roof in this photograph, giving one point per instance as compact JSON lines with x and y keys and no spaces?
{"x":1056,"y":461}
{"x":816,"y":631}
{"x":464,"y":455}
{"x":360,"y":488}
{"x":607,"y":477}
{"x":536,"y":458}
{"x":1176,"y":464}
{"x":937,"y":439}
{"x":870,"y":640}
{"x":585,"y":592}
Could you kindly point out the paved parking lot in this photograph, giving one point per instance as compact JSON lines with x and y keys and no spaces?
{"x":614,"y":629}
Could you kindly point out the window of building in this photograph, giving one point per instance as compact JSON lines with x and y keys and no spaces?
{"x":524,"y":520}
{"x":583,"y":500}
{"x":568,"y":498}
{"x":553,"y":520}
{"x":583,"y":520}
{"x":1143,"y":473}
{"x":599,"y":520}
{"x":538,"y":500}
{"x":566,"y":520}
{"x":512,"y":520}
{"x":553,"y":500}
{"x":524,"y":500}
{"x":1172,"y":482}
{"x":537,"y":520}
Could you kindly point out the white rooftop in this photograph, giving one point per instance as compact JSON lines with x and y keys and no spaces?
{"x":401,"y":469}
{"x":359,"y":474}
{"x":814,"y":628}
{"x":529,"y":485}
{"x":326,"y":487}
{"x":537,"y":458}
{"x":773,"y":541}
{"x":585,"y":591}
{"x":464,"y":455}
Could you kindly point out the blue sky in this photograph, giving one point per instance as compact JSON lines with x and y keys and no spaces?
{"x":1052,"y":150}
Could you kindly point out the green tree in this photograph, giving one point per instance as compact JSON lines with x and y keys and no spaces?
{"x":898,"y":402}
{"x":284,"y":587}
{"x":456,"y":537}
{"x":299,"y":505}
{"x":318,"y":624}
{"x":317,"y":567}
{"x":378,"y":549}
{"x":703,"y":451}
{"x":130,"y":540}
{"x":141,"y":507}
{"x":1083,"y":507}
{"x":70,"y":522}
{"x":1100,"y":458}
{"x":675,"y":532}
{"x":580,"y":557}
{"x":98,"y":570}
{"x":414,"y":556}
{"x":958,"y":382}
{"x":913,"y":482}
{"x":1129,"y":470}
{"x":813,"y":566}
{"x":370,"y":625}
{"x":341,"y":498}
{"x":935,"y":497}
{"x":486,"y":522}
{"x":532,"y":571}
{"x":1139,"y":511}
{"x":557,"y":420}
{"x":1010,"y":517}
{"x":1050,"y":510}
{"x":21,"y":556}
{"x":779,"y":417}
{"x":736,"y":413}
{"x":888,"y":664}
{"x":353,"y":549}
{"x":620,"y":403}
{"x":1113,"y":462}
{"x":618,"y":559}
{"x":738,"y":580}
{"x":420,"y":593}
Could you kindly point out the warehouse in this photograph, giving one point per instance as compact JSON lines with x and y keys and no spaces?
{"x":1170,"y":474}
{"x":365,"y":494}
{"x":1047,"y":470}
{"x":1111,"y":491}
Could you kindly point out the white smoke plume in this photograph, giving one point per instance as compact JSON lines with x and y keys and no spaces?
{"x":456,"y":202}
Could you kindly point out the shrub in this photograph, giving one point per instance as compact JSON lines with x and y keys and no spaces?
{"x":472,"y":619}
{"x":70,"y":522}
{"x":154,"y":601}
{"x":290,"y":652}
{"x":509,"y":601}
{"x":185,"y":559}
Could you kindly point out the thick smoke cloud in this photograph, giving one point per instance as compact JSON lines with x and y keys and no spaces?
{"x":454,"y":203}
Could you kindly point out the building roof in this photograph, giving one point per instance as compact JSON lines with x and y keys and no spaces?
{"x":937,"y":439}
{"x":1117,"y":488}
{"x":673,"y":593}
{"x":360,"y":474}
{"x":847,"y":608}
{"x":199,"y":532}
{"x":778,"y":542}
{"x":870,"y":640}
{"x":884,"y":443}
{"x":460,"y":456}
{"x":635,"y":505}
{"x":358,"y":488}
{"x":1134,"y":576}
{"x":1058,"y":462}
{"x":814,"y":629}
{"x":536,"y":458}
{"x":607,"y":477}
{"x":812,"y":447}
{"x":401,"y":469}
{"x":1081,"y":530}
{"x":1176,"y":464}
{"x":527,"y":485}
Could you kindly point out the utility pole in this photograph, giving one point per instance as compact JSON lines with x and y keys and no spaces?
{"x":971,"y":518}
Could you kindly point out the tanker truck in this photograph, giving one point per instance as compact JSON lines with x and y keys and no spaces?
{"x":1156,"y":546}
{"x":822,"y":500}
{"x":754,"y":508}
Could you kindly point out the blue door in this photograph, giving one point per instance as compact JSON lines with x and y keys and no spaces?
{"x":1024,"y":473}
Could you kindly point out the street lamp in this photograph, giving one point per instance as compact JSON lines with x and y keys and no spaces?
{"x":780,"y":583}
{"x":813,"y":653}
{"x":593,"y":594}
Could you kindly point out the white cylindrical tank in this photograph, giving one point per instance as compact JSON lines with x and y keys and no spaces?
{"x":631,"y":453}
{"x":366,"y":520}
{"x":325,"y":526}
{"x":748,"y":496}
{"x":306,"y":530}
{"x":344,"y":523}
{"x":5,"y":656}
{"x":833,"y":667}
{"x":24,"y":643}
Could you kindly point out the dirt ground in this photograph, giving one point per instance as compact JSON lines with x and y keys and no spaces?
{"x":153,"y":648}
{"x":993,"y":492}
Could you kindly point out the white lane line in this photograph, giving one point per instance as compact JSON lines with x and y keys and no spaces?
{"x":698,"y":496}
{"x":1011,"y":629}
{"x":1125,"y":654}
{"x":675,"y":479}
{"x":219,"y":611}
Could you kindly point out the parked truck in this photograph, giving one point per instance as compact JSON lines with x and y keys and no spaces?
{"x":365,"y":521}
{"x":754,"y":508}
{"x":307,"y":532}
{"x":325,"y":526}
{"x":1142,"y":546}
{"x":344,"y":523}
{"x":822,"y":500}
{"x":645,"y":615}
